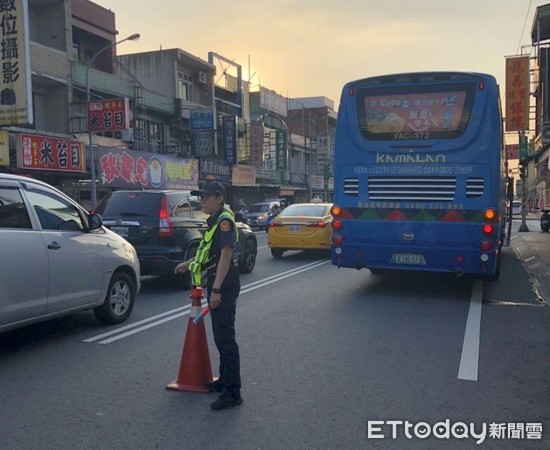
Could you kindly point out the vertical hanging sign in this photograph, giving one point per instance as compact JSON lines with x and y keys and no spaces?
{"x":257,"y":144}
{"x":517,"y":94}
{"x":281,"y":149}
{"x":230,"y":139}
{"x":15,"y":87}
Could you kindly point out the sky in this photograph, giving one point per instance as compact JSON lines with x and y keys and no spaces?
{"x":306,"y":48}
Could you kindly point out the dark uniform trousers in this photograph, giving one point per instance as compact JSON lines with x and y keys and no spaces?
{"x":223,"y":328}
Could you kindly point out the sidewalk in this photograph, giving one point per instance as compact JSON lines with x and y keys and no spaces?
{"x":533,"y":249}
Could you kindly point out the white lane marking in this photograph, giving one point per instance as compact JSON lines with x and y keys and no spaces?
{"x":183,"y":311}
{"x":136,"y":324}
{"x":469,"y":360}
{"x":282,"y":276}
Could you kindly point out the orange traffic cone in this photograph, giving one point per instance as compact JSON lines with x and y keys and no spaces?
{"x":195,"y":368}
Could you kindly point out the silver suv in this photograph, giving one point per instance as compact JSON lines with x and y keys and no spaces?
{"x":57,"y":258}
{"x":259,"y":212}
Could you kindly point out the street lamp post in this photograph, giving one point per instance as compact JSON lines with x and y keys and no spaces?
{"x":133,"y":37}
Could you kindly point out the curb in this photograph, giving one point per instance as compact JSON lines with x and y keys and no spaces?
{"x":537,"y":269}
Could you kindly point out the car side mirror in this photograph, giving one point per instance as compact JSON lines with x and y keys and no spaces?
{"x":238,"y":217}
{"x":95,"y":222}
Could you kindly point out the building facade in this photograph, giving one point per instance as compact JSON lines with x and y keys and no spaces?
{"x":180,"y":126}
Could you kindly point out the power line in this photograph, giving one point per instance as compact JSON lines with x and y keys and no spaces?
{"x":524,"y":23}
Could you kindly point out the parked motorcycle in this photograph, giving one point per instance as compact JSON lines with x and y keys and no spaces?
{"x":545,"y":220}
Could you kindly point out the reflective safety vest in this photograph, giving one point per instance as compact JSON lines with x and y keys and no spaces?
{"x":203,"y":251}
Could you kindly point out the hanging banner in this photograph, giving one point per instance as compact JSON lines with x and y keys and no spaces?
{"x":517,"y":94}
{"x":50,"y":153}
{"x":15,"y":88}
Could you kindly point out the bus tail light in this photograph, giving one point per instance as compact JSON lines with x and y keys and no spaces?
{"x":336,"y":211}
{"x":490,"y":214}
{"x":342,"y":213}
{"x":337,"y":239}
{"x":337,"y":224}
{"x":488,"y":228}
{"x":486,"y":245}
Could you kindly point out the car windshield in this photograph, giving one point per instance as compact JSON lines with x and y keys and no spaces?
{"x":130,"y":203}
{"x":261,"y":207}
{"x":298,"y":210}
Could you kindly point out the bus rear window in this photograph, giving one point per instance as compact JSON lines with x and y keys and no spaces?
{"x":415,"y":112}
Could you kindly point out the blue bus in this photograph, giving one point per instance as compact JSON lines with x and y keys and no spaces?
{"x":420,"y":174}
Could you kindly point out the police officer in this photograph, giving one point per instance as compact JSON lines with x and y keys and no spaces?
{"x":215,"y":265}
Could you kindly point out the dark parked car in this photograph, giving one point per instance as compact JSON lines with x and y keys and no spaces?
{"x":165,"y":227}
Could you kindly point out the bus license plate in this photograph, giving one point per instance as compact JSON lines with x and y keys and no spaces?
{"x":294,"y":228}
{"x":415,"y":259}
{"x":121,"y":231}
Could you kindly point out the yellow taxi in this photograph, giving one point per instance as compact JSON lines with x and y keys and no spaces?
{"x":301,"y":226}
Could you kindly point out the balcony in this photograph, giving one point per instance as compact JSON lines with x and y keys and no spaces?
{"x":49,"y":62}
{"x":119,"y":87}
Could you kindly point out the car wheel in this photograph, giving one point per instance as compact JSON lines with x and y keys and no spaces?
{"x":119,"y":300}
{"x":248,"y":260}
{"x":277,"y":252}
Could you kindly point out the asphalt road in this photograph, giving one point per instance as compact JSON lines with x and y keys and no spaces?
{"x":328,"y":357}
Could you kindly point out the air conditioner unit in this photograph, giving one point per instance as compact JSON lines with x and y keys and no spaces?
{"x":125,"y":135}
{"x":203,"y":78}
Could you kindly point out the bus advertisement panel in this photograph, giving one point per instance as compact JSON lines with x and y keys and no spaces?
{"x":420,"y":174}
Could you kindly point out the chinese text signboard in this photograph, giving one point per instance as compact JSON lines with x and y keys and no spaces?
{"x":132,"y":169}
{"x":281,"y":149}
{"x":512,"y":151}
{"x":202,"y":119}
{"x":4,"y":148}
{"x":323,"y":152}
{"x":49,"y":153}
{"x":244,"y":175}
{"x":211,"y":169}
{"x":230,"y":139}
{"x":109,"y":115}
{"x":202,"y":143}
{"x":517,"y":94}
{"x":257,"y":144}
{"x":15,"y":90}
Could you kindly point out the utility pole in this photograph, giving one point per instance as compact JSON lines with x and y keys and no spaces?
{"x":523,"y":174}
{"x":312,"y":131}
